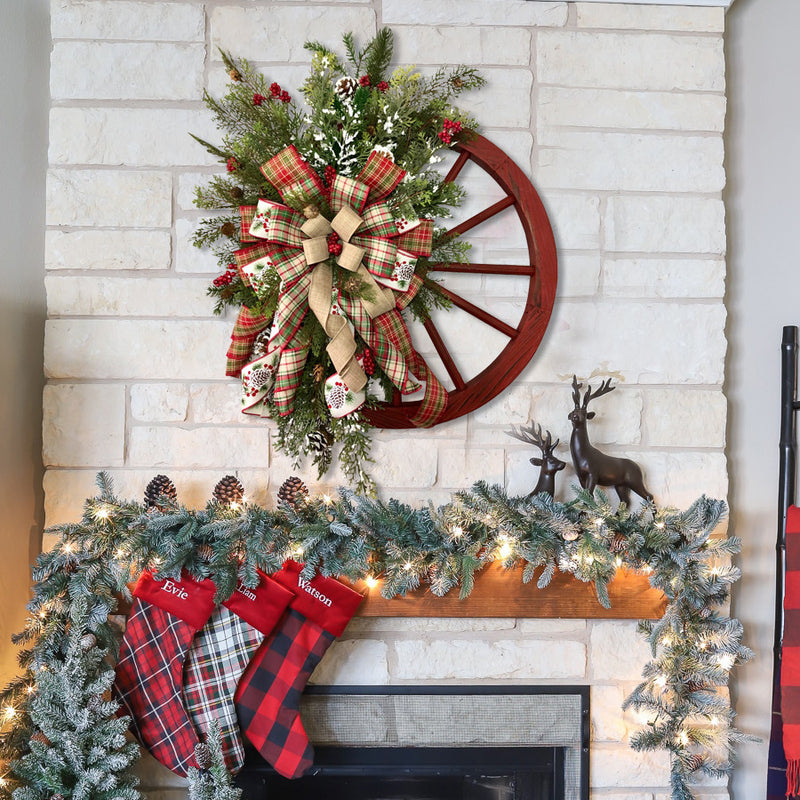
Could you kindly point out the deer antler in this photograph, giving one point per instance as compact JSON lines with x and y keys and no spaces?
{"x":533,"y":435}
{"x":576,"y":395}
{"x":605,"y":388}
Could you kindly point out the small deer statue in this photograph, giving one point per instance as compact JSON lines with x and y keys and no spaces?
{"x":549,"y":463}
{"x":595,"y":468}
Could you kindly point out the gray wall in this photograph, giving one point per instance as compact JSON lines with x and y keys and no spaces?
{"x":24,"y":66}
{"x":763,"y":295}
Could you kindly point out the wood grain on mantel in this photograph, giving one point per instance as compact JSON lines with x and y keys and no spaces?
{"x":501,"y":593}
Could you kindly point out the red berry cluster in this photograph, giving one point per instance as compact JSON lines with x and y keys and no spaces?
{"x":276,"y":93}
{"x":449,"y":129}
{"x":382,"y":87}
{"x":329,"y":175}
{"x":364,"y":80}
{"x":334,"y":245}
{"x":233,"y":164}
{"x":368,"y":362}
{"x":258,"y":99}
{"x":227,"y":277}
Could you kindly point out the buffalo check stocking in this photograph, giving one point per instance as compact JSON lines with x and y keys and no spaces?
{"x":268,"y":695}
{"x":165,"y":616}
{"x":219,"y":654}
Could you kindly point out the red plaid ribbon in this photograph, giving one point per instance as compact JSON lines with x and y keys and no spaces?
{"x":281,"y":248}
{"x":245,"y":330}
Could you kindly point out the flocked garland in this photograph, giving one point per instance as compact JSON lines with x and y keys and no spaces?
{"x":365,"y":142}
{"x":79,"y":582}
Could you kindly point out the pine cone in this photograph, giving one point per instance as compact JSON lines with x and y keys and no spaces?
{"x":38,"y":736}
{"x":228,"y":229}
{"x":206,"y":552}
{"x":228,"y":490}
{"x":261,"y":344}
{"x":95,"y":703}
{"x":319,"y":373}
{"x":570,"y":535}
{"x":202,"y":755}
{"x":57,"y":796}
{"x":618,"y":543}
{"x":237,"y":193}
{"x":346,"y":87}
{"x":235,"y":75}
{"x":292,"y":492}
{"x":319,"y":442}
{"x":694,"y":763}
{"x":160,"y":486}
{"x":88,"y":641}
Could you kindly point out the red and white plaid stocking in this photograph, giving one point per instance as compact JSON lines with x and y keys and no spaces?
{"x":268,"y":696}
{"x":165,"y":616}
{"x":219,"y":654}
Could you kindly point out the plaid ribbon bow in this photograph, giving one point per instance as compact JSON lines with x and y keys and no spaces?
{"x":379,"y":247}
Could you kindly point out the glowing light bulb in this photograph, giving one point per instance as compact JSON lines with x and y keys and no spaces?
{"x":457,"y":532}
{"x":298,"y":551}
{"x":667,"y":640}
{"x":371,"y":581}
{"x":505,"y":550}
{"x":682,"y":738}
{"x":9,"y":712}
{"x":30,"y":688}
{"x":660,"y":526}
{"x":598,"y":521}
{"x":660,"y":681}
{"x":407,"y":566}
{"x":102,"y":513}
{"x":120,"y":553}
{"x":647,"y":569}
{"x":726,"y":660}
{"x":67,"y":547}
{"x":715,"y":721}
{"x":234,"y":506}
{"x":327,"y":499}
{"x":3,"y":782}
{"x":618,"y":562}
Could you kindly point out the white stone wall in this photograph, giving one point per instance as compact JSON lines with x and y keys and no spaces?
{"x":616,"y":111}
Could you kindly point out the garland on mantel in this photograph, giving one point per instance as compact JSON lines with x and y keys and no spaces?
{"x":682,"y":701}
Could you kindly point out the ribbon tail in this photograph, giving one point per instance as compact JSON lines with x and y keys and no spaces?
{"x":287,"y":378}
{"x":245,"y":330}
{"x":435,"y":400}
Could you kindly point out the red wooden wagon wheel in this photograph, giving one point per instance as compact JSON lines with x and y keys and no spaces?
{"x":542,"y":273}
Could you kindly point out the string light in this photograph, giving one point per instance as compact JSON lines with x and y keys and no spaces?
{"x":371,"y":581}
{"x":9,"y":712}
{"x":660,"y":525}
{"x":102,"y":513}
{"x":234,"y":506}
{"x":660,"y":681}
{"x":598,"y":521}
{"x":327,"y":499}
{"x":667,"y":640}
{"x":457,"y":532}
{"x":618,"y":562}
{"x":407,"y":566}
{"x":30,"y":688}
{"x":298,"y":551}
{"x":715,"y":721}
{"x":120,"y":553}
{"x":67,"y":547}
{"x":726,"y":660}
{"x":682,"y":739}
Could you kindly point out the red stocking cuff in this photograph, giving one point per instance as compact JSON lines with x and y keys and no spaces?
{"x":188,"y":599}
{"x":262,"y":606}
{"x":325,"y":601}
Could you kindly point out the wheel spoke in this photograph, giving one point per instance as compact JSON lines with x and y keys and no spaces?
{"x":481,"y":217}
{"x":486,"y":269}
{"x":477,"y":312}
{"x":462,"y":159}
{"x":444,"y":354}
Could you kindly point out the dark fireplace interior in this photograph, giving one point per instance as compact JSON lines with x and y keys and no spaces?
{"x":437,"y":743}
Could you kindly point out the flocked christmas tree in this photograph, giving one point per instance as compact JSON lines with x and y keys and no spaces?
{"x":79,"y":749}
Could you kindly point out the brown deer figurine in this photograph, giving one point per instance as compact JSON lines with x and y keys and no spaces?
{"x":549,"y":463}
{"x":595,"y":468}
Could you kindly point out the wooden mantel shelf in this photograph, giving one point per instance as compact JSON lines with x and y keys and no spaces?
{"x":501,"y":593}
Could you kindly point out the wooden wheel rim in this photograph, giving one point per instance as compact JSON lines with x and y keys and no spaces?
{"x":542,"y":267}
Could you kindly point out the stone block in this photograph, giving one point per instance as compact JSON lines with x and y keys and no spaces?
{"x":459,"y":467}
{"x":404,"y":461}
{"x":126,"y":71}
{"x":277,"y":33}
{"x":361,"y":662}
{"x":640,"y":61}
{"x":159,"y":402}
{"x":575,"y":220}
{"x":127,"y":297}
{"x":678,"y":479}
{"x":663,"y":277}
{"x":607,"y":722}
{"x":189,"y":258}
{"x":578,"y":275}
{"x":202,"y":448}
{"x":64,"y":493}
{"x":551,"y":627}
{"x":558,"y":107}
{"x":135,"y":349}
{"x":473,"y":12}
{"x":521,"y":475}
{"x":84,"y":425}
{"x":505,"y":100}
{"x":418,"y":625}
{"x":460,"y":659}
{"x":220,"y":404}
{"x":173,"y":22}
{"x":650,"y":17}
{"x":616,"y":651}
{"x":660,"y":225}
{"x":130,"y":136}
{"x":631,"y":162}
{"x":587,"y":338}
{"x":619,"y":766}
{"x":112,"y":249}
{"x":427,"y":44}
{"x":685,"y":418}
{"x":510,"y":407}
{"x":109,"y":198}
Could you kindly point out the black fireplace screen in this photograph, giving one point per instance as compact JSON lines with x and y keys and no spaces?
{"x":438,"y":743}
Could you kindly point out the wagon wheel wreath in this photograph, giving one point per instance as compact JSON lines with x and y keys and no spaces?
{"x":330,"y":247}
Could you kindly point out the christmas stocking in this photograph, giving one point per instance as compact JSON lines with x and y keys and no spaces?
{"x":164,"y":618}
{"x":268,"y":695}
{"x":219,"y":654}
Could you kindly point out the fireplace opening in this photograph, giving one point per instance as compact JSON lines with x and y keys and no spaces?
{"x":437,"y":743}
